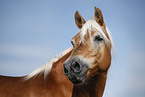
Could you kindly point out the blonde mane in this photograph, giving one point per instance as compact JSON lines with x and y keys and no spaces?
{"x":93,"y":25}
{"x":46,"y":67}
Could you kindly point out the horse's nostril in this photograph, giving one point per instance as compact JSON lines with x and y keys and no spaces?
{"x":76,"y":67}
{"x":65,"y":70}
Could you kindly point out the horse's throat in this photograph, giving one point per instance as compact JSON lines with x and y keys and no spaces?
{"x":93,"y":87}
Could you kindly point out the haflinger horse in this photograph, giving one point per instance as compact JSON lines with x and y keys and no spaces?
{"x":90,"y":58}
{"x":80,"y":71}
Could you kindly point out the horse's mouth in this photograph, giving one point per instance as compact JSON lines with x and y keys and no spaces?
{"x":76,"y":80}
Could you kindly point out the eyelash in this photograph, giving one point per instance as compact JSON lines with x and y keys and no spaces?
{"x":72,"y":43}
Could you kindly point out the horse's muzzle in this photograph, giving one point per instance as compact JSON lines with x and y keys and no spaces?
{"x":75,"y":70}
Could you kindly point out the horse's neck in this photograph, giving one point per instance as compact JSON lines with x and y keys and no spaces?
{"x":57,"y":71}
{"x":58,"y":80}
{"x":94,"y":87}
{"x":56,"y":84}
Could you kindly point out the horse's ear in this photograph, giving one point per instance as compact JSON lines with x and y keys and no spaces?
{"x":99,"y":16}
{"x":79,"y":20}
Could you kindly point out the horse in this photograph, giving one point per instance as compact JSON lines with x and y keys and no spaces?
{"x":80,"y":71}
{"x":90,"y":59}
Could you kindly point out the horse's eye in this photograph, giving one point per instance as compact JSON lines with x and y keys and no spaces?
{"x":98,"y":38}
{"x":72,"y":43}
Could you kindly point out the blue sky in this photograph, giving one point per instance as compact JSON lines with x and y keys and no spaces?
{"x":33,"y":31}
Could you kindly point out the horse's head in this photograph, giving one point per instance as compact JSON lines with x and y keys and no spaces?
{"x":91,"y":52}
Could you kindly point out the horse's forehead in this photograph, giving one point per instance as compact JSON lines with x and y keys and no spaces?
{"x":92,"y":33}
{"x":91,"y":27}
{"x":88,"y":35}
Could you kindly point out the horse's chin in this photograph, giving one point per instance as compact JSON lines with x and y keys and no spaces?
{"x":77,"y":80}
{"x":80,"y":81}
